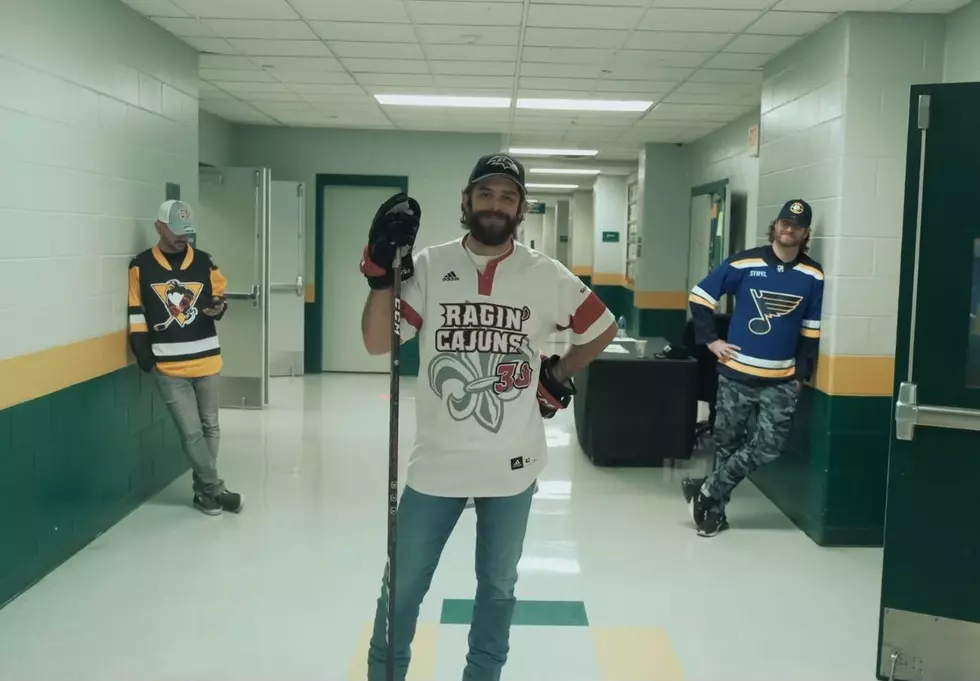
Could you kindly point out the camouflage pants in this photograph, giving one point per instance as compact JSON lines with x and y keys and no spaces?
{"x":752,"y":425}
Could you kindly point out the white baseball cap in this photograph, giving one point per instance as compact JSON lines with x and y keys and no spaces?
{"x":177,"y":215}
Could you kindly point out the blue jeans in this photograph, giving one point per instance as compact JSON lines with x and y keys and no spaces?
{"x":424,"y":525}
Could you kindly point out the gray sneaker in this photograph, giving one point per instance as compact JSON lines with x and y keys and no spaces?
{"x":207,"y":505}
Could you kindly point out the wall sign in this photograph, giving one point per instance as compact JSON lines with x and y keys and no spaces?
{"x":536,"y":208}
{"x":754,"y":141}
{"x":610,"y":237}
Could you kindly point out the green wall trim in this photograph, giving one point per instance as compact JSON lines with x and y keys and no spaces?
{"x":313,"y":335}
{"x":74,"y":463}
{"x":619,"y":300}
{"x":831,"y":481}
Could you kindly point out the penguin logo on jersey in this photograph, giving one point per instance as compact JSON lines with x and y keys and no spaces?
{"x":180,"y":299}
{"x":771,"y":306}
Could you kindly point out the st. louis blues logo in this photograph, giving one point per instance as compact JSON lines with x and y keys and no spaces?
{"x":770,"y":306}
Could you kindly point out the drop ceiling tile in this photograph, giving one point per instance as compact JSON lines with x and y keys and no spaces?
{"x":642,"y":72}
{"x":351,"y":98}
{"x":731,"y":60}
{"x":590,"y":17}
{"x":377,"y":50}
{"x":235,"y":87}
{"x":726,"y":76}
{"x":273,"y":97}
{"x":687,"y":98}
{"x":465,"y":13}
{"x":368,"y":11}
{"x":185,"y":28}
{"x":212,"y":45}
{"x":368,"y":33}
{"x":281,"y":48}
{"x":677,"y":40}
{"x":473,"y":68}
{"x":299,"y":63}
{"x":222,"y":61}
{"x":237,"y":9}
{"x":738,"y":89}
{"x":156,"y":8}
{"x":537,"y":93}
{"x":570,"y":37}
{"x":468,"y":35}
{"x":394,"y":80}
{"x":247,"y":28}
{"x":698,"y":20}
{"x":636,"y":60}
{"x":577,"y":84}
{"x":622,"y":86}
{"x":714,"y":4}
{"x":483,"y":82}
{"x":324,"y":89}
{"x":332,"y":77}
{"x":465,"y":91}
{"x":561,"y":70}
{"x":761,"y":44}
{"x":253,"y":75}
{"x":841,"y":5}
{"x":933,"y":6}
{"x":790,"y":23}
{"x":566,"y":55}
{"x":357,"y":66}
{"x":472,"y":52}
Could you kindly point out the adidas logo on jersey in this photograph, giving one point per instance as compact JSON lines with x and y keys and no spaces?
{"x":450,"y":277}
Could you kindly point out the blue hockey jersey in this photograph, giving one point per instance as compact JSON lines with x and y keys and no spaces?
{"x":776,"y":322}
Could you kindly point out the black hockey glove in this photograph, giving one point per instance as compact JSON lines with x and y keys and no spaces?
{"x":552,"y":394}
{"x":395,"y":225}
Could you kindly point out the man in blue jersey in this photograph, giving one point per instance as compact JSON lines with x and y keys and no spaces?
{"x":771,"y":350}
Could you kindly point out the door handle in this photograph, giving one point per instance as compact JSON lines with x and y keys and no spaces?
{"x":296,"y":287}
{"x":252,"y":295}
{"x":909,"y":414}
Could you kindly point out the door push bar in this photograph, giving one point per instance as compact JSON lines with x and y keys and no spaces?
{"x":909,"y":414}
{"x":296,"y":287}
{"x":253,"y":295}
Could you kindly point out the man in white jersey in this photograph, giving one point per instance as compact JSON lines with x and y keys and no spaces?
{"x":482,"y":306}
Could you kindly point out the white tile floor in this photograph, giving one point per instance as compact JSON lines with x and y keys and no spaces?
{"x":283,"y":592}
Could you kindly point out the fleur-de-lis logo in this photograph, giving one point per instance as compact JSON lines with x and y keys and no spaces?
{"x":476,"y":386}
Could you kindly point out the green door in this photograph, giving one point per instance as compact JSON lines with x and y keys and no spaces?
{"x":930,"y":595}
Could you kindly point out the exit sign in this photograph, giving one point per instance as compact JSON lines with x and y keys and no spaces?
{"x":610,"y":237}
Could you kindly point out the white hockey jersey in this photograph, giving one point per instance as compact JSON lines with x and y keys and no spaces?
{"x":479,"y":431}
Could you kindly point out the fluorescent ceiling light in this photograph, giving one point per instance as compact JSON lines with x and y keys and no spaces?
{"x":583,"y":105}
{"x":527,"y":151}
{"x":565,"y":171}
{"x":551,"y":186}
{"x":445,"y":100}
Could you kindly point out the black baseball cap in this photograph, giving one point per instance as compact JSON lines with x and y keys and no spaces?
{"x":499,"y":165}
{"x":798,"y":211}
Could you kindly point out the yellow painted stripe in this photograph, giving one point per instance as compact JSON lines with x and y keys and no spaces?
{"x":582,"y":270}
{"x":636,"y":654}
{"x":855,"y":375}
{"x":425,"y":647}
{"x":310,"y":293}
{"x":661,"y":300}
{"x":609,"y":279}
{"x":41,"y":373}
{"x":701,"y":301}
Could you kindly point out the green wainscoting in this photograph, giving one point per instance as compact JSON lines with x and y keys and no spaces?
{"x":74,"y":463}
{"x":831,"y":481}
{"x":618,"y":299}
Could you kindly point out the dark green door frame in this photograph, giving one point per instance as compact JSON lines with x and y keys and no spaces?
{"x":313,"y":341}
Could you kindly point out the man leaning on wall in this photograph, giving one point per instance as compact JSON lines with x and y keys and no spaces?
{"x":170,"y":285}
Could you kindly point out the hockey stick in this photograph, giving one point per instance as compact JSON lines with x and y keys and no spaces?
{"x":396,"y":323}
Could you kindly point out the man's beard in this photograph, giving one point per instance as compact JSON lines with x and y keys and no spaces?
{"x":493,"y":235}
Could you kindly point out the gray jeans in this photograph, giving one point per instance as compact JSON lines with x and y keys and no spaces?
{"x":193,"y":404}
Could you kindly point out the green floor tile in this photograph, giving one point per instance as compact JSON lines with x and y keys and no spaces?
{"x":526,"y":613}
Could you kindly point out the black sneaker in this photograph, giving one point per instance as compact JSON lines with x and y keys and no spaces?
{"x":715,"y":521}
{"x":231,"y":501}
{"x":207,"y":505}
{"x":692,"y":495}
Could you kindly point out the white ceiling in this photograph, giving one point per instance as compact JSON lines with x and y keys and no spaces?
{"x":319,"y":62}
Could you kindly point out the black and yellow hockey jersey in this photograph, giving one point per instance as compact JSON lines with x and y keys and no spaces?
{"x":168,"y":294}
